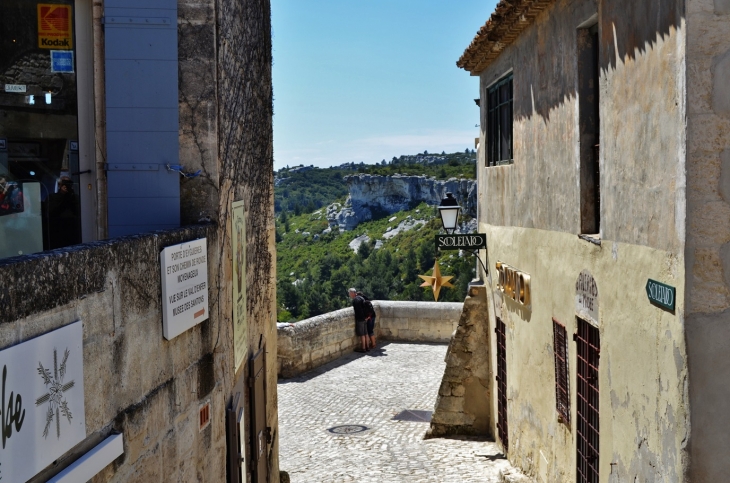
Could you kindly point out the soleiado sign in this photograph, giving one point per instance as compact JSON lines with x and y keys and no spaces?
{"x":42,"y":406}
{"x":661,"y":294}
{"x":473,"y":241}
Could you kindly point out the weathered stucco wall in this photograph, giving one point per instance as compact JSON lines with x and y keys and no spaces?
{"x":642,"y":124}
{"x":644,"y":418}
{"x":708,"y":236}
{"x":531,"y":213}
{"x":313,"y":342}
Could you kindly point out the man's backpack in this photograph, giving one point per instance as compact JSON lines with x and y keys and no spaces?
{"x":367,"y":306}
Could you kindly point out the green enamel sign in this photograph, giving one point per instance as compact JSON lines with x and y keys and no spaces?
{"x":661,"y":294}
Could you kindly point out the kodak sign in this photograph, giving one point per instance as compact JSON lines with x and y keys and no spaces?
{"x":55,"y":26}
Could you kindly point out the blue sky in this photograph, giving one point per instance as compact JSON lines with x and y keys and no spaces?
{"x":366,"y":80}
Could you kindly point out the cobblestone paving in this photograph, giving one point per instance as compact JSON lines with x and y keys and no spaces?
{"x":369,"y":389}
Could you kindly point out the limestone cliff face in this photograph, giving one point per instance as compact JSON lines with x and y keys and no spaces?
{"x":370,"y":194}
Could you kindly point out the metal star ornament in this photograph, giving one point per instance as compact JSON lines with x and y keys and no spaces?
{"x":436,"y":281}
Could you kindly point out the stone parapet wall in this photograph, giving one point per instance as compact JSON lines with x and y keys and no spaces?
{"x":313,"y":342}
{"x":417,"y":321}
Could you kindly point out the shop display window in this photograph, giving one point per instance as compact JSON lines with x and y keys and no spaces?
{"x":39,"y":154}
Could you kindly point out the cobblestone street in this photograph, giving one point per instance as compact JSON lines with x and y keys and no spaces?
{"x":369,"y":390}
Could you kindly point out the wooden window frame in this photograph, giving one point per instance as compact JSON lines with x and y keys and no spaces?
{"x":500,"y":97}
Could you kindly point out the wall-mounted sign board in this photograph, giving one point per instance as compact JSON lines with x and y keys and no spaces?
{"x":586,"y":297}
{"x":42,"y":408}
{"x":184,"y":275}
{"x":474,"y":241}
{"x":660,"y":294}
{"x":514,"y":284}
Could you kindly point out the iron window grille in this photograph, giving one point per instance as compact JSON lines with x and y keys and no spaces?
{"x":562,"y":381}
{"x":502,"y":432}
{"x":499,"y":122}
{"x":587,"y":430}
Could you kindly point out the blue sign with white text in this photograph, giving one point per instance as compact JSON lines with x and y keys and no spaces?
{"x":62,"y":61}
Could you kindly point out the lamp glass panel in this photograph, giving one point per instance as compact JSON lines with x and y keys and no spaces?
{"x":449,"y":217}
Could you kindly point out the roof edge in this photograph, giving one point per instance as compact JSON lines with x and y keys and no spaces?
{"x":509,"y":20}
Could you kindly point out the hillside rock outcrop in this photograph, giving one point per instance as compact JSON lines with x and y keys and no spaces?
{"x":372,"y":195}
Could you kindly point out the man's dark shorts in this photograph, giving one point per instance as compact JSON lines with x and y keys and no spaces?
{"x":371,"y":326}
{"x":361,"y":328}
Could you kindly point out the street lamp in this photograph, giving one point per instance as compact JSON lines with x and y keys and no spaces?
{"x":449,"y":211}
{"x":470,"y":243}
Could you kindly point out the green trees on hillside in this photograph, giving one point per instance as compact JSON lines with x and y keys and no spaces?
{"x":314,"y":275}
{"x":315,"y":269}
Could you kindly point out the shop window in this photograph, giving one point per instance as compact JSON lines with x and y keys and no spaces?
{"x":40,"y":207}
{"x":562,"y":381}
{"x":499,"y":122}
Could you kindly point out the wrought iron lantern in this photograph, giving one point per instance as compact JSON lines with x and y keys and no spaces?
{"x":449,"y":211}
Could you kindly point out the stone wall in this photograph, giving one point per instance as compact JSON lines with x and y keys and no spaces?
{"x":460,"y":408}
{"x":313,"y":342}
{"x":135,"y":381}
{"x":708,"y":235}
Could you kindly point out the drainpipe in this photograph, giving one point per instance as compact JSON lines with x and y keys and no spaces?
{"x":100,"y":120}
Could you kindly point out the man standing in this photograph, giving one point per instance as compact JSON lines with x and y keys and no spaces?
{"x":358,"y":304}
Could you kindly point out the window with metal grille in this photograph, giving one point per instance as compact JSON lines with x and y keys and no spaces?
{"x":501,"y":331}
{"x":587,"y":434}
{"x":499,"y":122}
{"x":562,"y":384}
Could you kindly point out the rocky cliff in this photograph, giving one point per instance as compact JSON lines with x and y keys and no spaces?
{"x":372,"y":195}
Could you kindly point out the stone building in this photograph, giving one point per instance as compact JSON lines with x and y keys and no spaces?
{"x":137,"y":241}
{"x":603,"y":190}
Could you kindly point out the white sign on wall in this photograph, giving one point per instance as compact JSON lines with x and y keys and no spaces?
{"x":586,"y":297}
{"x":184,"y":274}
{"x":42,"y":407}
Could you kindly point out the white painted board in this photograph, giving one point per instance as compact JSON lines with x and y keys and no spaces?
{"x":42,"y":401}
{"x":184,"y":275}
{"x":90,"y":464}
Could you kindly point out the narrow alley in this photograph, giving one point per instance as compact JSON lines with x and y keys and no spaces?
{"x":370,"y":390}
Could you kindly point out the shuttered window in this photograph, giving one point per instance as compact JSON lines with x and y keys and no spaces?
{"x":142,"y":115}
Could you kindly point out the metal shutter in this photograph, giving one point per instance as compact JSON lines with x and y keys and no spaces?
{"x":141,"y":115}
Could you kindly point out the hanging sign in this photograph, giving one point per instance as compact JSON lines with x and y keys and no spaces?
{"x":55,"y":26}
{"x":42,"y":401}
{"x":586,"y":297}
{"x":474,"y":241}
{"x":240,"y":325}
{"x":661,"y":294}
{"x":184,"y":274}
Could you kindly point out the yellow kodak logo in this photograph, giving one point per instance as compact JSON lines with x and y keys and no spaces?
{"x":55,"y":26}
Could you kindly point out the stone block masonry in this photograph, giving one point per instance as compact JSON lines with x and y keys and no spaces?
{"x":461,"y":406}
{"x":135,"y":381}
{"x":313,"y":342}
